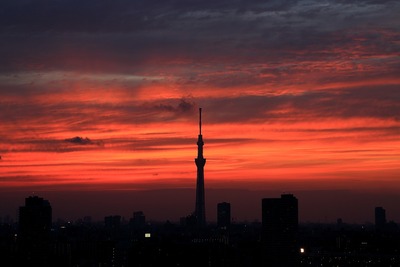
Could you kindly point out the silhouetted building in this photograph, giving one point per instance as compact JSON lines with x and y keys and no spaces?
{"x":188,"y":221}
{"x":138,"y":220}
{"x":87,"y":220}
{"x":200,"y":211}
{"x":224,"y":215}
{"x":35,"y":221}
{"x":380,"y":218}
{"x":112,"y":222}
{"x":35,"y":217}
{"x":279,"y":227}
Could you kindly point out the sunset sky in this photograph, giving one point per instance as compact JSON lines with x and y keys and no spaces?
{"x":104,"y":95}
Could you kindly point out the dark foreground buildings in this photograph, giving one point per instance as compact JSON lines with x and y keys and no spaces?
{"x":380,"y":218}
{"x":35,"y":223}
{"x":279,"y":231}
{"x":35,"y":218}
{"x":117,"y":242}
{"x":224,"y":215}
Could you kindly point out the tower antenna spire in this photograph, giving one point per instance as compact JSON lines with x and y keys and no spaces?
{"x":200,"y":120}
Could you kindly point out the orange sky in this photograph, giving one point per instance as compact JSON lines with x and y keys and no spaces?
{"x":141,"y":137}
{"x":295,"y":95}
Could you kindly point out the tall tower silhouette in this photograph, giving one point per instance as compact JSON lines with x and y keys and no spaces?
{"x":200,"y":211}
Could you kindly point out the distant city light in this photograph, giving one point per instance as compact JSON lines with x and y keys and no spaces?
{"x":147,"y":235}
{"x":302,"y":250}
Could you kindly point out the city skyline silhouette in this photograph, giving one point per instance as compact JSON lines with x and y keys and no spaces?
{"x":278,"y":240}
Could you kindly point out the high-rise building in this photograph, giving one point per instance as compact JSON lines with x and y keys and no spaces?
{"x":279,"y":226}
{"x":200,"y":211}
{"x":138,"y":220}
{"x":380,"y":217}
{"x":35,"y":217}
{"x":112,"y":222}
{"x":224,"y":215}
{"x":35,"y":221}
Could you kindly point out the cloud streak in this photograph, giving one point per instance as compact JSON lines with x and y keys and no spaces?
{"x":83,"y":141}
